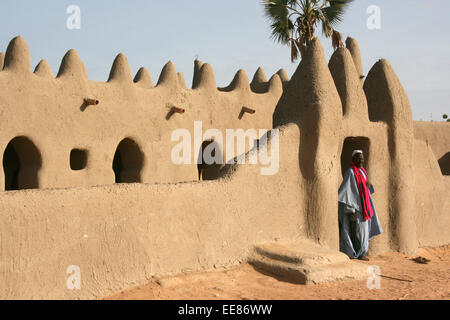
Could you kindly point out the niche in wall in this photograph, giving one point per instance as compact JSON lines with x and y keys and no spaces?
{"x":128,"y":162}
{"x":78,"y":159}
{"x":354,"y":143}
{"x":207,"y":170}
{"x":21,"y":164}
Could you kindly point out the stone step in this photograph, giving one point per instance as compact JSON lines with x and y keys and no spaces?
{"x":305,"y":267}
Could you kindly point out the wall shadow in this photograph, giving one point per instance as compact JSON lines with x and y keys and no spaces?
{"x":444,"y":164}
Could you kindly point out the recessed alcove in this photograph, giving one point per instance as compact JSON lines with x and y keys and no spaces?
{"x":78,"y":159}
{"x":207,"y":168}
{"x":21,"y":164}
{"x":128,"y":162}
{"x":351,"y":144}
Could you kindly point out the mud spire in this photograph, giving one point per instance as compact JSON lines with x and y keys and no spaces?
{"x":389,"y":103}
{"x":259,"y":82}
{"x":181,"y":80}
{"x":311,"y":94}
{"x":353,"y":47}
{"x":143,"y":78}
{"x":168,"y":75}
{"x":275,"y":86}
{"x":283,"y":75}
{"x":120,"y":71}
{"x":206,"y":78}
{"x":312,"y":102}
{"x":197,"y":66}
{"x":17,"y":56}
{"x":259,"y":77}
{"x":240,"y":82}
{"x":349,"y":85}
{"x":72,"y":66}
{"x":43,"y":69}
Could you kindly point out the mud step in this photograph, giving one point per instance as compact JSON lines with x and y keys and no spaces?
{"x":301,"y":254}
{"x":286,"y":271}
{"x":305,"y":267}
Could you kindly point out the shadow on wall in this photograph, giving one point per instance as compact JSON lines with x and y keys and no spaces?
{"x":354,"y":143}
{"x":444,"y":164}
{"x":21,"y":163}
{"x":128,"y":162}
{"x":208,"y":168}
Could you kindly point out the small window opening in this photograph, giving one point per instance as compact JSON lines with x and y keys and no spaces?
{"x":78,"y":159}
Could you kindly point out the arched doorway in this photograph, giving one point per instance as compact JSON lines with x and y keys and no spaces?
{"x":354,"y":143}
{"x":21,"y":163}
{"x":128,"y":162}
{"x":207,"y":165}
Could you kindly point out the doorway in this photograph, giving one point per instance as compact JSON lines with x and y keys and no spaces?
{"x":208,"y":168}
{"x":351,"y":144}
{"x":21,"y":164}
{"x":128,"y":162}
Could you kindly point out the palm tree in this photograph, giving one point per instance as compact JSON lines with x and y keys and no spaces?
{"x":445,"y":117}
{"x":294,"y":21}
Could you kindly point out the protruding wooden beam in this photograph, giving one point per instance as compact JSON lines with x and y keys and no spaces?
{"x":174,"y":110}
{"x":246,"y":110}
{"x":91,"y":102}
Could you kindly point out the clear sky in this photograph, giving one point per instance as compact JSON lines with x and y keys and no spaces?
{"x":232,"y":35}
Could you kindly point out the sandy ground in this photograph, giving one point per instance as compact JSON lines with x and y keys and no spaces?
{"x":426,"y":281}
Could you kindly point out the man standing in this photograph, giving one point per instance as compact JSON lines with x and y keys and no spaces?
{"x":358,"y":221}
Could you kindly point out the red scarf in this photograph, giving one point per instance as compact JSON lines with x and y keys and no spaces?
{"x":364,"y":192}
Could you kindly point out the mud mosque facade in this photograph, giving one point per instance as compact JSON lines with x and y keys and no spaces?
{"x":88,"y":178}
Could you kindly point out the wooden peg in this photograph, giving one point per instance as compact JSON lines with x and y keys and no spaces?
{"x":177,"y":110}
{"x":91,"y":102}
{"x":246,"y":110}
{"x":174,"y":110}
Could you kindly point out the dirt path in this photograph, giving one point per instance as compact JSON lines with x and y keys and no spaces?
{"x":429,"y":281}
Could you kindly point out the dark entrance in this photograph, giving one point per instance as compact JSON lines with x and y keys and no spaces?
{"x":444,"y":164}
{"x":207,"y":169}
{"x":128,"y":162}
{"x":354,"y":143}
{"x":21,"y":163}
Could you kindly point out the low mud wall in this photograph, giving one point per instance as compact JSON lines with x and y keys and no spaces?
{"x":122,"y":235}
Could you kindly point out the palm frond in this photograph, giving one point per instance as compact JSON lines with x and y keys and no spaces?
{"x":327,"y":29}
{"x":336,"y":10}
{"x":281,"y":30}
{"x":301,"y":46}
{"x":275,"y":9}
{"x":293,"y":22}
{"x":281,"y":26}
{"x":336,"y":40}
{"x":294,"y":51}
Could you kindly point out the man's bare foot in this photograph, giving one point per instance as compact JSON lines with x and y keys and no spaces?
{"x":363,"y":258}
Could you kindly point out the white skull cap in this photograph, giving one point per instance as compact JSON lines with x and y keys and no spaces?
{"x":356,"y":152}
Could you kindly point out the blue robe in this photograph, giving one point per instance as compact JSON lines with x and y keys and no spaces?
{"x":354,"y":236}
